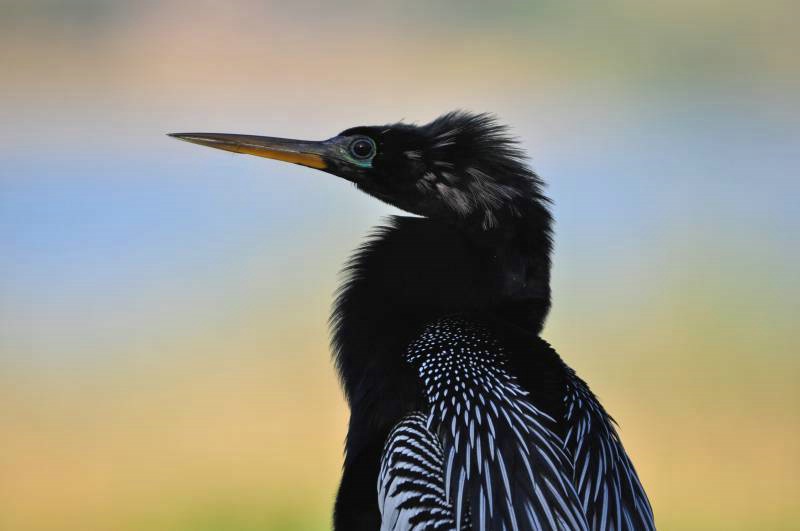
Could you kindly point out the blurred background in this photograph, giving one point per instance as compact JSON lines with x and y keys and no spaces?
{"x":163,"y":339}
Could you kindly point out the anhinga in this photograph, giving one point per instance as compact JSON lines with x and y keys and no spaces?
{"x":461,"y":416}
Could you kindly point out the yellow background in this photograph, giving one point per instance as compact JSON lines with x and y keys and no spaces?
{"x":163,"y":341}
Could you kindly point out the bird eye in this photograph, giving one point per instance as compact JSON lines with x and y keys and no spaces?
{"x":362,"y":148}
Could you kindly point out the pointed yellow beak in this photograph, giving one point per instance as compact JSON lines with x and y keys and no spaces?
{"x":305,"y":153}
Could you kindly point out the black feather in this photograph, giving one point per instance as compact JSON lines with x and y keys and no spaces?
{"x":481,"y":251}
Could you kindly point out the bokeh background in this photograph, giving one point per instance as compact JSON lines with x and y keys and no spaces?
{"x":163,"y":341}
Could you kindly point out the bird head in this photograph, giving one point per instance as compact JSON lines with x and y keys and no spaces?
{"x":462,"y":167}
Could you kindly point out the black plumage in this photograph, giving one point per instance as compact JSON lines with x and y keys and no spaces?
{"x":461,"y":415}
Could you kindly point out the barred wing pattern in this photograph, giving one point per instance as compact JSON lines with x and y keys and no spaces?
{"x":485,"y":457}
{"x":504,"y":467}
{"x":411,"y":492}
{"x":611,"y":496}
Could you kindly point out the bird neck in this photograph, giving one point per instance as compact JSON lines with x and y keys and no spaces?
{"x":413,"y":271}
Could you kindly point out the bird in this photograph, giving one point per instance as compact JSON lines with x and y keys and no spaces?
{"x":462,"y":417}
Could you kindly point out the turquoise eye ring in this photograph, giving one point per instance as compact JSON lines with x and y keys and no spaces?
{"x":362,"y":148}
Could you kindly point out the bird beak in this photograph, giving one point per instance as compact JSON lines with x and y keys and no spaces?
{"x":305,"y":153}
